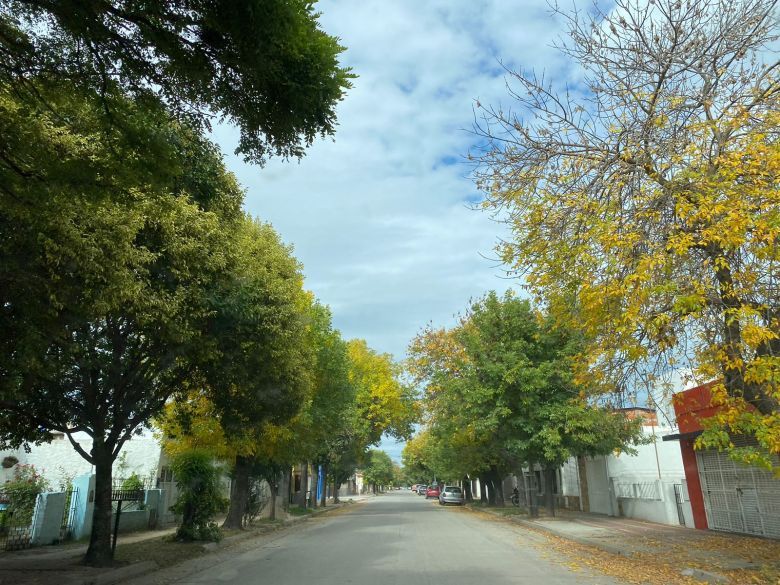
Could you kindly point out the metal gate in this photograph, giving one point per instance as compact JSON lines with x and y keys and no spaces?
{"x":68,"y":513}
{"x":739,"y":498}
{"x":679,"y":500}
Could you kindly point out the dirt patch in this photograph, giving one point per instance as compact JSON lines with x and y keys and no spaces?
{"x":163,"y":551}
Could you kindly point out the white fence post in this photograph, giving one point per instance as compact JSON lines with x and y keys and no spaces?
{"x":83,"y":507}
{"x":47,"y":518}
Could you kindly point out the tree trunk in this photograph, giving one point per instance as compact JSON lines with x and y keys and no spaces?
{"x":286,"y":488}
{"x":187,"y":520}
{"x":733,"y":367}
{"x":582,"y":474}
{"x":467,"y":489}
{"x":315,"y":482}
{"x":533,"y":489}
{"x":304,"y":485}
{"x":99,"y":553}
{"x":483,"y":490}
{"x":324,"y":499}
{"x":239,"y":494}
{"x":491,"y":490}
{"x":549,"y":490}
{"x":336,"y":490}
{"x":274,"y":487}
{"x":495,"y":480}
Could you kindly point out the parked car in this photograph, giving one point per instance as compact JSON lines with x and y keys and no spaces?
{"x":451,"y":495}
{"x":432,"y":492}
{"x":414,"y":487}
{"x":421,"y":490}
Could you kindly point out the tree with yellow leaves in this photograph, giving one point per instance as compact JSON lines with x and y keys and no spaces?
{"x":644,"y":205}
{"x":383,"y":403}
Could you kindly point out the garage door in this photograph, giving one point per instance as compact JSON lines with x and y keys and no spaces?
{"x":739,"y":498}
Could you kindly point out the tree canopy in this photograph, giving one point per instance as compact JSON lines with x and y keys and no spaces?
{"x":128,"y":273}
{"x":644,"y":207}
{"x":113,"y":241}
{"x":258,"y":368}
{"x":264,"y":65}
{"x":379,"y":469}
{"x":351,"y":396}
{"x":383,"y":403}
{"x":500,"y":395}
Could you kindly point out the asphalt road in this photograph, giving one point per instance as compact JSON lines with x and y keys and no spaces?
{"x":398,"y":538}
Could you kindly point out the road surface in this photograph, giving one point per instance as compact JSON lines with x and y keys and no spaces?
{"x":397,"y":538}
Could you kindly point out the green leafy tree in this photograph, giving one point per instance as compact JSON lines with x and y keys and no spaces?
{"x":378,"y":471}
{"x":199,"y":495}
{"x":512,"y":401}
{"x":264,"y":65}
{"x":22,"y":492}
{"x":111,"y":242}
{"x":258,"y":371}
{"x":133,"y":483}
{"x":332,"y":408}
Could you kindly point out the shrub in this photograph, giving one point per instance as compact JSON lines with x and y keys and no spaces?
{"x":9,"y":462}
{"x":133,"y":483}
{"x":197,"y":479}
{"x":22,"y":492}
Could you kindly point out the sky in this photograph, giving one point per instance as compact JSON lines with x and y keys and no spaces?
{"x":381,"y":215}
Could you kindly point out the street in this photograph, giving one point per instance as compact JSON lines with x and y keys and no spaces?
{"x":397,"y":538}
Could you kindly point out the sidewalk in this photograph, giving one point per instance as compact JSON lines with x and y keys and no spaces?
{"x":61,"y":563}
{"x":136,"y":554}
{"x":714,"y":557}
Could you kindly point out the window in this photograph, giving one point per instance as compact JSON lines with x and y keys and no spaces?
{"x":166,"y":474}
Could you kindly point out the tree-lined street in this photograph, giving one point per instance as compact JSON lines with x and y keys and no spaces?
{"x":398,"y":538}
{"x":149,"y":310}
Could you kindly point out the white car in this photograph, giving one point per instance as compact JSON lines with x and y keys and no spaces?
{"x":451,"y":494}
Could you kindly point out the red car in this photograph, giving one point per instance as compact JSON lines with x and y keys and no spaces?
{"x":432,"y":492}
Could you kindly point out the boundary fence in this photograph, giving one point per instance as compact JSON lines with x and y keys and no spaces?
{"x":15,"y":524}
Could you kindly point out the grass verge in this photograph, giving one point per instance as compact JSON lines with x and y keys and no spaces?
{"x":298,"y":511}
{"x":164,"y":551}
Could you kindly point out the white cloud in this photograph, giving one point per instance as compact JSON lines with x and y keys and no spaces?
{"x":379,"y":216}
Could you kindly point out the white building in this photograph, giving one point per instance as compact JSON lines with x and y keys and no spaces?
{"x":59,"y":462}
{"x":647,"y":486}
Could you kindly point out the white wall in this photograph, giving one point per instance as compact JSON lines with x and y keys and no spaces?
{"x":58,"y":459}
{"x":644,"y":464}
{"x":638,"y":486}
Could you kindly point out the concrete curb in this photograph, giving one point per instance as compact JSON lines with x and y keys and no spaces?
{"x":134,"y":570}
{"x":706,"y":576}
